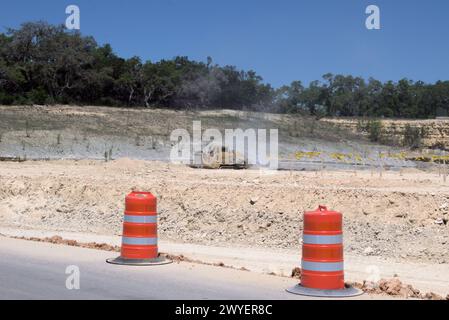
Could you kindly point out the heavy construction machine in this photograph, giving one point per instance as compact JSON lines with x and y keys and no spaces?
{"x":216,"y":156}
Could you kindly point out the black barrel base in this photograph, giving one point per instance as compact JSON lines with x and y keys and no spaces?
{"x":342,"y":293}
{"x":140,"y":262}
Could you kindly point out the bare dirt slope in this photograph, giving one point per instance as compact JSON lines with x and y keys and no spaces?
{"x":73,"y":132}
{"x":399,"y":215}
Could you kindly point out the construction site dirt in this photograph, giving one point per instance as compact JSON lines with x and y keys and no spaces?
{"x":402,"y":215}
{"x":68,"y":169}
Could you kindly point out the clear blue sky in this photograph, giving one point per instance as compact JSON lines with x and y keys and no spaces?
{"x":281,"y":40}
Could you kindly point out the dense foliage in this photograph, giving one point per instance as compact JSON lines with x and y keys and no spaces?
{"x":45,"y":64}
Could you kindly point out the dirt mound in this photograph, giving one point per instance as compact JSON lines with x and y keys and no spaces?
{"x":74,"y":243}
{"x":394,"y":287}
{"x":296,"y":273}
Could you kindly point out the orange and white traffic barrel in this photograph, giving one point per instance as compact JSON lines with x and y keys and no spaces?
{"x":139,"y":239}
{"x":322,"y":265}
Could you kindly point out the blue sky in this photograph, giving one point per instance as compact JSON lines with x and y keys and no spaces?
{"x":281,"y":40}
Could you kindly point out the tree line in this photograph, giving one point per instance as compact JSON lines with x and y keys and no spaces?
{"x":46,"y":64}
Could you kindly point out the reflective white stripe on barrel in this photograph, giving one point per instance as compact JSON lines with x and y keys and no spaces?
{"x":140,"y":219}
{"x":139,"y":241}
{"x":314,"y":239}
{"x":322,"y":266}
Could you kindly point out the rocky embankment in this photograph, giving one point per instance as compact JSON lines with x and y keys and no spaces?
{"x":435,"y":132}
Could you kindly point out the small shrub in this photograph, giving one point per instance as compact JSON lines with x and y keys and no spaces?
{"x":38,"y":96}
{"x":22,"y":100}
{"x":362,"y":126}
{"x":138,"y":141}
{"x":413,"y":136}
{"x":107,"y":101}
{"x":439,"y":146}
{"x":6,"y":99}
{"x":153,"y":143}
{"x":375,"y":130}
{"x":27,"y":129}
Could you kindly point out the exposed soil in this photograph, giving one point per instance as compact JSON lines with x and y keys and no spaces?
{"x":73,"y":243}
{"x":394,"y":287}
{"x":71,"y":132}
{"x":399,"y":215}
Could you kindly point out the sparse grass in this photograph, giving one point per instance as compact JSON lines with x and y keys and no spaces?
{"x":156,"y":124}
{"x":153,"y":143}
{"x":160,"y":122}
{"x":27,"y":129}
{"x":137,"y":141}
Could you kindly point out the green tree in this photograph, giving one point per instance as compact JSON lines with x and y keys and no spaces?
{"x":43,"y":63}
{"x":131,"y":78}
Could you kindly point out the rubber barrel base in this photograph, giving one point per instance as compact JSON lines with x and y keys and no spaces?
{"x":342,"y":293}
{"x":140,"y":262}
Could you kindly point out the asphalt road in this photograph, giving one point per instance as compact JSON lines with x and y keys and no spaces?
{"x":34,"y":270}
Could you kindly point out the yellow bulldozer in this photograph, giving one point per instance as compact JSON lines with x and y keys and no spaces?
{"x":216,"y":156}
